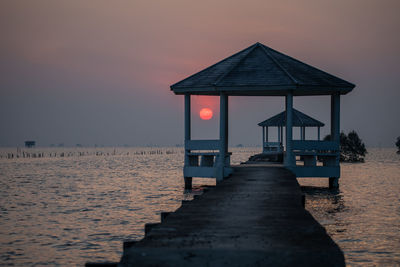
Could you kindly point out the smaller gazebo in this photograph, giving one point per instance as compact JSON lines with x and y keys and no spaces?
{"x":300,"y":120}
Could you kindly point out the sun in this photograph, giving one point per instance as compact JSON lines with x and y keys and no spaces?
{"x":206,"y":113}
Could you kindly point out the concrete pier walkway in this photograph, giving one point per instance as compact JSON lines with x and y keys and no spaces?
{"x":253,"y":218}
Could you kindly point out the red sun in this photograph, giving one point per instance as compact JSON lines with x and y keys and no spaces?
{"x":206,"y":113}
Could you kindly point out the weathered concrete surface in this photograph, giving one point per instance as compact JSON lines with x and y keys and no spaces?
{"x":254,"y":218}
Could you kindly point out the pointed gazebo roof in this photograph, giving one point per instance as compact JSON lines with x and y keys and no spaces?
{"x":260,"y":70}
{"x":299,"y":120}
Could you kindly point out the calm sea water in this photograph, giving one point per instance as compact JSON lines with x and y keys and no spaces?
{"x":363,"y":216}
{"x":81,"y":203}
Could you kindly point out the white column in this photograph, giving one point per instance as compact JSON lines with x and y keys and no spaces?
{"x":289,"y":159}
{"x":335,"y":132}
{"x":263,"y":137}
{"x":187,"y":117}
{"x":223,"y":134}
{"x":279,"y":134}
{"x":335,"y":117}
{"x":188,"y":180}
{"x":303,"y":133}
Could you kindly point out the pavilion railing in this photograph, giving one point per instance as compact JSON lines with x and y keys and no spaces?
{"x":272,"y":147}
{"x":203,"y":144}
{"x":203,"y":159}
{"x":312,"y":145}
{"x":311,"y":152}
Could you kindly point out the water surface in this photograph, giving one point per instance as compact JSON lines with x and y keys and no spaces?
{"x":73,"y":205}
{"x":363,"y":216}
{"x":81,"y":203}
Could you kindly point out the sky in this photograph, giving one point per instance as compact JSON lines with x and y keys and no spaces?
{"x":98,"y":72}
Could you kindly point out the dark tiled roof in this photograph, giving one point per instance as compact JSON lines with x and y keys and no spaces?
{"x":299,"y":119}
{"x":260,"y":70}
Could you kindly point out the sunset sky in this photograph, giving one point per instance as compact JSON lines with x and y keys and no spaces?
{"x":98,"y":72}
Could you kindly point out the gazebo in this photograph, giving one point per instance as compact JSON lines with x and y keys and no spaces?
{"x":300,"y":120}
{"x":261,"y":71}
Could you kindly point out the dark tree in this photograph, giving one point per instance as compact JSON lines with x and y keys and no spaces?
{"x":352,"y":149}
{"x":355,"y":147}
{"x":398,"y":144}
{"x":327,"y":137}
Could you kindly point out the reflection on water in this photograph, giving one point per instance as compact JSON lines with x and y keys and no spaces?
{"x":78,"y":204}
{"x":363,"y":216}
{"x":66,"y":210}
{"x":328,"y":201}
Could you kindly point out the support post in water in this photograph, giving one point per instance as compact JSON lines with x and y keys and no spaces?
{"x":335,"y":133}
{"x":289,"y":157}
{"x":223,"y":135}
{"x":188,"y":180}
{"x":188,"y":183}
{"x":333,"y":182}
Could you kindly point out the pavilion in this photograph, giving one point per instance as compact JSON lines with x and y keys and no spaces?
{"x":300,"y":120}
{"x":261,"y":71}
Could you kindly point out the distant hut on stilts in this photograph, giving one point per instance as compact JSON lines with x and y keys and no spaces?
{"x":30,"y":143}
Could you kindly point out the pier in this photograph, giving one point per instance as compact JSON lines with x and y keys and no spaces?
{"x":255,"y":215}
{"x":254,"y":218}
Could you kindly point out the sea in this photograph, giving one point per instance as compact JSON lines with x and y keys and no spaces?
{"x":67,"y":206}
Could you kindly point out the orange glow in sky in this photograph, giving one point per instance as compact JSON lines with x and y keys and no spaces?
{"x":206,"y":113}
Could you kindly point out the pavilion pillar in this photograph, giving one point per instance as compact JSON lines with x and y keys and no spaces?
{"x":188,"y":180}
{"x":263,"y":137}
{"x":303,"y":133}
{"x":319,"y":133}
{"x":279,"y":134}
{"x":335,"y":117}
{"x":289,"y":158}
{"x":335,"y":132}
{"x":223,"y":135}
